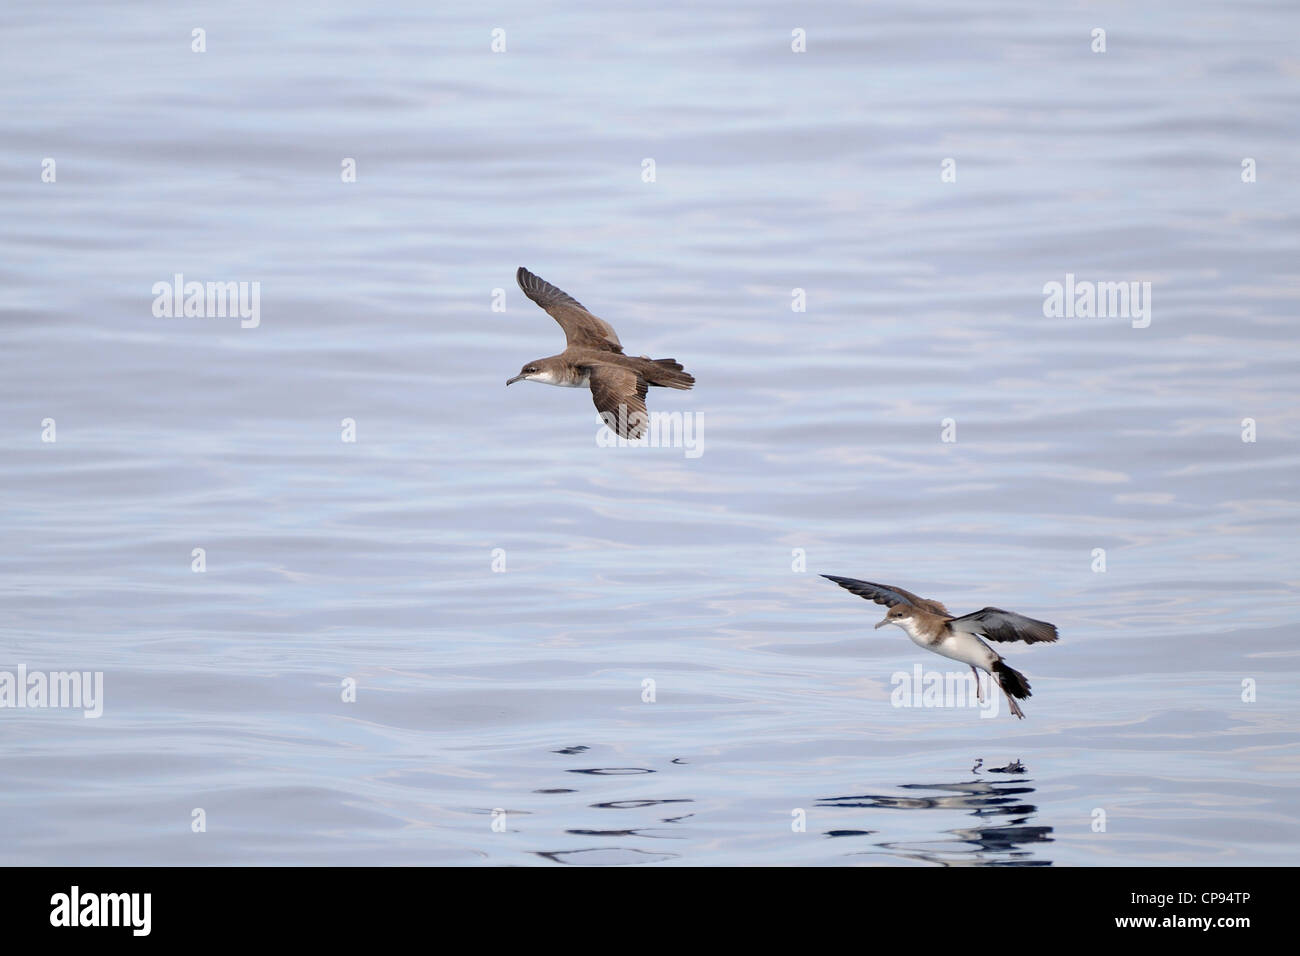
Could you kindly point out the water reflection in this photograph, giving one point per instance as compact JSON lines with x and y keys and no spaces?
{"x":1002,"y":841}
{"x":637,"y":804}
{"x":648,"y":832}
{"x":605,"y":856}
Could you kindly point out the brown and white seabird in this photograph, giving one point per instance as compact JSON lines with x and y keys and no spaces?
{"x":594,"y":359}
{"x":929,"y":625}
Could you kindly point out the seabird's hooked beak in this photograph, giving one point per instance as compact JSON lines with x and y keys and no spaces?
{"x":881,"y":624}
{"x":511,"y":381}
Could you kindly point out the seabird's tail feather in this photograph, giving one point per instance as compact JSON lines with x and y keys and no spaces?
{"x":1013,"y":684}
{"x":668,"y":373}
{"x":1012,"y":681}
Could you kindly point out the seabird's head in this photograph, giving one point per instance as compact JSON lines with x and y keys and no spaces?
{"x":537,"y":371}
{"x":898,"y":614}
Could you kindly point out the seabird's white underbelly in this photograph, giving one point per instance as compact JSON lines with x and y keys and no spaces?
{"x":956,"y":646}
{"x":548,"y":378}
{"x":965,"y":648}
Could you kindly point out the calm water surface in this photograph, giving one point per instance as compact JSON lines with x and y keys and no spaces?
{"x":481,"y":691}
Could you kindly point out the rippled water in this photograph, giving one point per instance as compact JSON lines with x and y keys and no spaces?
{"x":522,"y":691}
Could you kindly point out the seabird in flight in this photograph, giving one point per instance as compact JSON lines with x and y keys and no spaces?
{"x":594,"y":359}
{"x":929,"y":625}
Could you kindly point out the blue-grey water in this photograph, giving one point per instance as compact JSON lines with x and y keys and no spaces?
{"x":647,"y":676}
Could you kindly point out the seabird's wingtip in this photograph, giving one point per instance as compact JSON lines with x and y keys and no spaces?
{"x":529,"y":283}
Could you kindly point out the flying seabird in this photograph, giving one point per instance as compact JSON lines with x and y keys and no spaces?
{"x":929,"y":625}
{"x":594,"y":359}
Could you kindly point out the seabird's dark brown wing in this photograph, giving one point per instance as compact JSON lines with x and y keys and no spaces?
{"x":883,"y":594}
{"x":999,"y":625}
{"x":581,"y":328}
{"x":619,"y":396}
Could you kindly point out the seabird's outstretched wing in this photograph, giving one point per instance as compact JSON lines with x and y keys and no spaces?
{"x":882,"y":594}
{"x":999,"y":625}
{"x":619,"y":396}
{"x":580,"y":326}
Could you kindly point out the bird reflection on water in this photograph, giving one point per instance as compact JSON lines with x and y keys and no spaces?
{"x":1000,"y":838}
